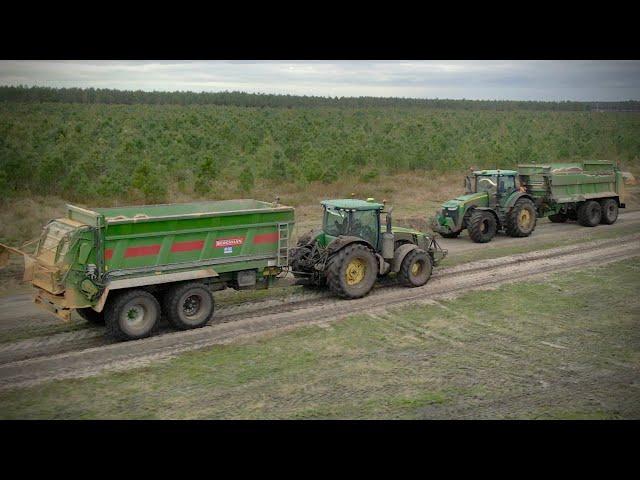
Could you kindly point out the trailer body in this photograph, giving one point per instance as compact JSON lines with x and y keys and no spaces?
{"x":557,"y":187}
{"x":83,"y":258}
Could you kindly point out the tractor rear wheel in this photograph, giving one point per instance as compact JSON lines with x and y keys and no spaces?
{"x":352,"y":271}
{"x":91,"y":316}
{"x":589,"y":214}
{"x":451,"y":234}
{"x":558,"y":218}
{"x":416,"y":268}
{"x":609,"y":211}
{"x":482,"y":226}
{"x":189,"y":305}
{"x":521,"y":220}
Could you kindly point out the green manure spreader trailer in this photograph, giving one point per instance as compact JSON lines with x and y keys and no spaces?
{"x":126,"y":266}
{"x":590,"y":192}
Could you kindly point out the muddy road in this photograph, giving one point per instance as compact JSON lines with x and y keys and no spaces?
{"x":86,"y":352}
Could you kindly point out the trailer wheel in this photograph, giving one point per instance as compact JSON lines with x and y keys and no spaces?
{"x":91,"y":316}
{"x":415,"y":270}
{"x":558,"y":218}
{"x":609,"y":211}
{"x":522,"y":218}
{"x":589,"y":214}
{"x":482,"y":226}
{"x":352,"y":272}
{"x":132,"y":315}
{"x":189,"y":305}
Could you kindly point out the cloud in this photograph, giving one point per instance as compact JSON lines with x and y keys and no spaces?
{"x":492,"y":79}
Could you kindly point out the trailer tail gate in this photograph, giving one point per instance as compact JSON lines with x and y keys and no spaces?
{"x":230,"y":235}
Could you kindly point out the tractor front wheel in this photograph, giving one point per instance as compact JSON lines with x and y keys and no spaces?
{"x":352,"y":271}
{"x":416,"y":268}
{"x":482,"y":226}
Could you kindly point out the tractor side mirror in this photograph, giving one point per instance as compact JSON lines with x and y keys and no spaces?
{"x":467,"y":184}
{"x":388,"y":220}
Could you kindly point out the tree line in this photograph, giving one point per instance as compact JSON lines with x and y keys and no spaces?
{"x":36,"y":94}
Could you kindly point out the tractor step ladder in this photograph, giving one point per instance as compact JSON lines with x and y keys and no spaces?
{"x":283,"y":244}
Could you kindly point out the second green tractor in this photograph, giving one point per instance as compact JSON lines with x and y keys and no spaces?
{"x":353,"y":249}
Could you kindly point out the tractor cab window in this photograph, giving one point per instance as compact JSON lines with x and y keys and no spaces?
{"x":364,"y":224}
{"x":506,"y":184}
{"x":487,"y":183}
{"x":336,"y":222}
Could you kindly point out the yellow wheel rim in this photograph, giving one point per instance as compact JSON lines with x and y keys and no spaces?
{"x":416,"y":268}
{"x":355,"y":271}
{"x":525,"y":218}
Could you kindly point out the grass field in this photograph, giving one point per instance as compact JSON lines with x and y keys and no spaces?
{"x":568,"y":347}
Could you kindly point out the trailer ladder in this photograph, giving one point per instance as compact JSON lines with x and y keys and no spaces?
{"x":283,"y":244}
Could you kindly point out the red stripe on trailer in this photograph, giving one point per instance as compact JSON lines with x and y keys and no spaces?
{"x":108,"y":253}
{"x":142,"y":251}
{"x":187,"y":246}
{"x":266,"y":238}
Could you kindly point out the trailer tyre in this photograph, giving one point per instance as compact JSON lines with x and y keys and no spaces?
{"x":482,"y":226}
{"x":558,"y":218}
{"x":91,"y":316}
{"x":522,"y":218}
{"x":609,"y":211}
{"x":352,"y":271}
{"x":589,"y":214}
{"x":188,"y":306}
{"x":132,"y":315}
{"x":416,"y":268}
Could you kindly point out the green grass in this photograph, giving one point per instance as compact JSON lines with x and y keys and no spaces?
{"x":568,"y":347}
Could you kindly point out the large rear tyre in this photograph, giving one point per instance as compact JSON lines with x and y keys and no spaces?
{"x":482,"y":226}
{"x":589,"y":214}
{"x":189,"y":305}
{"x":416,"y":268}
{"x":132,"y":315}
{"x":558,"y":218}
{"x":352,"y":272}
{"x":91,"y":316}
{"x":609,"y":211}
{"x":521,"y":220}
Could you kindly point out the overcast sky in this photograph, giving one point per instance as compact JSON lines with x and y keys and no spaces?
{"x":502,"y":80}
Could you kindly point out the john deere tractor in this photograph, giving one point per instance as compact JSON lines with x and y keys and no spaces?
{"x":493,"y":201}
{"x":352,"y":250}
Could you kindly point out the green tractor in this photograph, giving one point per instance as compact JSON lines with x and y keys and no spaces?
{"x":351,"y":250}
{"x":493,"y":201}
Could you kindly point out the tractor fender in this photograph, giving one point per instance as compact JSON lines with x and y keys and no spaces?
{"x":344,"y":240}
{"x":492,"y":211}
{"x":511,"y":201}
{"x":400,"y":253}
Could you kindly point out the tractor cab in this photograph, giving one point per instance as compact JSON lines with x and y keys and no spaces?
{"x":351,"y":217}
{"x":497,"y":183}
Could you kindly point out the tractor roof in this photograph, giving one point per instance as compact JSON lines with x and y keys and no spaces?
{"x":352,"y":204}
{"x":495,"y":172}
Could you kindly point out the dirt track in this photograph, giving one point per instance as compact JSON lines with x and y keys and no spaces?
{"x":270,"y":315}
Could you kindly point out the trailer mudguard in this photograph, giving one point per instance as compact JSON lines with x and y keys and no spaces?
{"x":152,"y":280}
